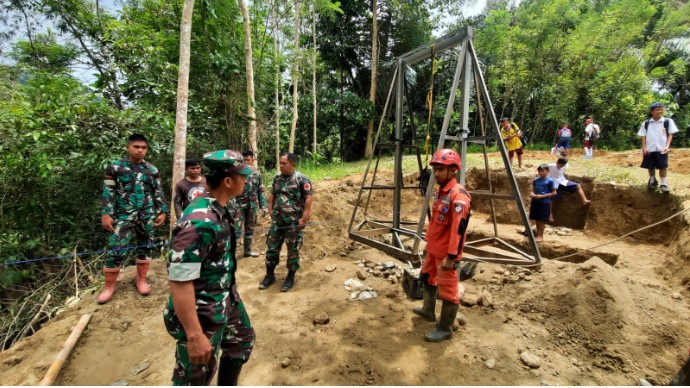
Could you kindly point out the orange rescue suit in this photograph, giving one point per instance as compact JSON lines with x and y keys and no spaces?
{"x":445,"y":237}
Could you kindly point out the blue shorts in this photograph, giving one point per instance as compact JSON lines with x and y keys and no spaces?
{"x":563,"y":142}
{"x":539,"y":211}
{"x":655,"y":160}
{"x":571,"y":187}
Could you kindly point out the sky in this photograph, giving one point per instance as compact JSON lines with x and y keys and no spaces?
{"x":86,"y":75}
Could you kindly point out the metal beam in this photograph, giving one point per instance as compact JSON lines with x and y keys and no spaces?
{"x":441,"y":44}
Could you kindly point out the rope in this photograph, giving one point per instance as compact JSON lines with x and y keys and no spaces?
{"x":341,"y":222}
{"x":596,"y":246}
{"x":430,"y":105}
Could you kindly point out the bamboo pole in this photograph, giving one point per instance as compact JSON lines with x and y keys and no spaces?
{"x":60,"y":359}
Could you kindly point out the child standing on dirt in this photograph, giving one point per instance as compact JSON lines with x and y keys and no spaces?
{"x":563,"y":136}
{"x":543,"y":188}
{"x":656,"y":133}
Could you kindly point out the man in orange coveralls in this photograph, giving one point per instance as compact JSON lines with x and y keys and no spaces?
{"x":445,"y":239}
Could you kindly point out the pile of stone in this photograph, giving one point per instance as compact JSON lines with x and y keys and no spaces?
{"x":389,"y":270}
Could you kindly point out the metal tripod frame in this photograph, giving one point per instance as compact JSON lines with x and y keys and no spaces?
{"x":388,"y":235}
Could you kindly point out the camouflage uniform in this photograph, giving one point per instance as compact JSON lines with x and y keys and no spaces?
{"x":203,"y":252}
{"x":289,"y":196}
{"x":246,"y":206}
{"x":133,"y":196}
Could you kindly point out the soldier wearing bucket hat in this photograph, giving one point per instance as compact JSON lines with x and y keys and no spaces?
{"x":656,"y":133}
{"x":202,"y":263}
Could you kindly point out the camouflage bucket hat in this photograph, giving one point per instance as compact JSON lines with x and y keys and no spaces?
{"x":227,"y":161}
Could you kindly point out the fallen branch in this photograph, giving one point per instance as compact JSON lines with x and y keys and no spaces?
{"x":60,"y":359}
{"x":35,"y":319}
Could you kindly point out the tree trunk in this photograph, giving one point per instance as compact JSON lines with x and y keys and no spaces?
{"x":251,"y":113}
{"x":369,"y":150}
{"x":182,"y":99}
{"x":277,"y":79}
{"x":313,"y":74}
{"x":295,"y":73}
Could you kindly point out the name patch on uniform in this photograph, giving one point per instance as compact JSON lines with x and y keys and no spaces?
{"x":445,"y":200}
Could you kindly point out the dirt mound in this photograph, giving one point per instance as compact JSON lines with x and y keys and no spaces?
{"x":596,"y":322}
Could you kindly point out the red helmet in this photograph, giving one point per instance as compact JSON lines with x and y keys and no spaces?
{"x":446,"y":157}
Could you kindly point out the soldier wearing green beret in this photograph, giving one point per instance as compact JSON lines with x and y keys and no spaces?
{"x":133,"y":204}
{"x":205,"y":313}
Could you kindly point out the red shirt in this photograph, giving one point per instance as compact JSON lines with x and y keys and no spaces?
{"x":449,"y":218}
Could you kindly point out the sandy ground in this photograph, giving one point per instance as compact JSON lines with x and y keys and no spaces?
{"x":616,"y":315}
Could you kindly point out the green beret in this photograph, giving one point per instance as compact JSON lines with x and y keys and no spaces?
{"x":225,"y":161}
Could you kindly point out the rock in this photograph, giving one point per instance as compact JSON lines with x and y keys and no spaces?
{"x":321,"y":318}
{"x":363,"y":295}
{"x":361,"y":265}
{"x":461,"y":319}
{"x":486,"y":299}
{"x":528,"y":278}
{"x":142,"y":366}
{"x":499,"y":271}
{"x":644,"y":383}
{"x":354,"y":285}
{"x":376,"y":273}
{"x":370,"y":264}
{"x":677,"y":295}
{"x":362,"y":275}
{"x":530,"y":359}
{"x":469,"y":299}
{"x":521,"y":275}
{"x":286,"y":362}
{"x":331,"y":268}
{"x":490,"y":363}
{"x":349,"y":182}
{"x":120,"y":383}
{"x":13,"y":360}
{"x":393,"y":280}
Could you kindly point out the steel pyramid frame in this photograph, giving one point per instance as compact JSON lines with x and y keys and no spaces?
{"x":399,"y":238}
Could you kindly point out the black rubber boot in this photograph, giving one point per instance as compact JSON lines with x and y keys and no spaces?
{"x":428,"y":309}
{"x":229,"y":371}
{"x":248,"y":248}
{"x":444,"y":327}
{"x":289,"y":281}
{"x":269,"y":279}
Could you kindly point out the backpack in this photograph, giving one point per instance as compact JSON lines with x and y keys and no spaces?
{"x":666,"y":125}
{"x":523,"y":139}
{"x":596,"y":133}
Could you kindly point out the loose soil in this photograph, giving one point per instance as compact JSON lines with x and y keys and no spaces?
{"x":611,"y":317}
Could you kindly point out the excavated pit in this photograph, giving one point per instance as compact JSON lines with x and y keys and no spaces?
{"x":616,"y":209}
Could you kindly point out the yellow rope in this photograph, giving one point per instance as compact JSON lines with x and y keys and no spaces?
{"x":430,"y":105}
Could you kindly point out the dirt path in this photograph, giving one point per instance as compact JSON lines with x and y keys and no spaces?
{"x":609,"y":320}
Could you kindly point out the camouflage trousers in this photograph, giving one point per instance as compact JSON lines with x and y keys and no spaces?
{"x":249,"y":217}
{"x":234,"y":338}
{"x":129,"y":227}
{"x":293,"y":238}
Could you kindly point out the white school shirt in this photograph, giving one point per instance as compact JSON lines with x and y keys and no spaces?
{"x":558,"y":175}
{"x":588,"y":130}
{"x":656,"y":134}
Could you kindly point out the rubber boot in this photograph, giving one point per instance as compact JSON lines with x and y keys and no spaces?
{"x":428,"y":309}
{"x":229,"y":371}
{"x":143,"y":288}
{"x":444,"y":327}
{"x":110,"y":275}
{"x":289,"y":281}
{"x":269,"y":279}
{"x":248,"y":248}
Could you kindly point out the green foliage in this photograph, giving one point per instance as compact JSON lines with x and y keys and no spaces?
{"x":552,"y":61}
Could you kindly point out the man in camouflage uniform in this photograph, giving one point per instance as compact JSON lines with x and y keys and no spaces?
{"x":246,"y":207}
{"x":204,"y":312}
{"x":133,"y":203}
{"x":289,"y":203}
